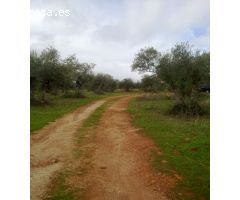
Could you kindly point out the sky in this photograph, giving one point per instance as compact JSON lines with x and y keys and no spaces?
{"x":110,"y":32}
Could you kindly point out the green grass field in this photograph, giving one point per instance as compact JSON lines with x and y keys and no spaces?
{"x":42,"y":115}
{"x":185,"y":144}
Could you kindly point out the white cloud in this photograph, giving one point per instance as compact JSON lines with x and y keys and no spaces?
{"x":109,"y":33}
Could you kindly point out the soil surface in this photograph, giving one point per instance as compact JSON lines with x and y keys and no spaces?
{"x":119,"y":167}
{"x":51,"y":147}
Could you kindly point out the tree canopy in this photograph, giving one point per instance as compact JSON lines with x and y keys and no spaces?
{"x":182,"y":69}
{"x":50,"y":73}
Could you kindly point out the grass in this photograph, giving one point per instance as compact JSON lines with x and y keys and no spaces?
{"x":185,"y":144}
{"x":89,"y":124}
{"x":42,"y":115}
{"x":61,"y":190}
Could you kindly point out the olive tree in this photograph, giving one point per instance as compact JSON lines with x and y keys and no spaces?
{"x":146,"y":60}
{"x":50,"y":70}
{"x":151,"y":83}
{"x":50,"y":73}
{"x":103,"y":83}
{"x":182,"y":69}
{"x":35,"y":64}
{"x":84,"y":73}
{"x":68,"y":70}
{"x":127,"y":84}
{"x":45,"y":71}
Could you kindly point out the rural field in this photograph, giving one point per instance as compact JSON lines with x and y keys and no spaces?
{"x":96,"y":137}
{"x":121,"y":146}
{"x":120,"y":100}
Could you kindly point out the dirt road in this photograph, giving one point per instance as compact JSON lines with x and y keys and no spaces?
{"x":52,"y":146}
{"x":121,"y":166}
{"x":120,"y":163}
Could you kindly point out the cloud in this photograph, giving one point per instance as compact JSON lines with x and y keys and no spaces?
{"x":110,"y":32}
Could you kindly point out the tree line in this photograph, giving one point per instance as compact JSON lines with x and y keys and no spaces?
{"x":181,"y":70}
{"x":49,"y":73}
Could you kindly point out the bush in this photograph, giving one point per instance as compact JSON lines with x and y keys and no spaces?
{"x":74,"y":95}
{"x":37,"y":102}
{"x":189,"y":109}
{"x":127,"y":84}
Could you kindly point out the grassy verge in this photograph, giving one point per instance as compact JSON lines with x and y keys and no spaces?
{"x":62,"y":188}
{"x":42,"y":115}
{"x":89,"y":125}
{"x":185,"y":144}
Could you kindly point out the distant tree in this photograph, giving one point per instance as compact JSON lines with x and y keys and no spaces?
{"x":103,"y":83}
{"x":127,"y":84}
{"x":51,"y":74}
{"x":35,"y":64}
{"x":69,"y":75}
{"x":112,"y":84}
{"x":83,"y":76}
{"x":50,"y":70}
{"x":137,"y":85}
{"x":151,"y":83}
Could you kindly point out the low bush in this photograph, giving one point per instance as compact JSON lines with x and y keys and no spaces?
{"x":190,"y":109}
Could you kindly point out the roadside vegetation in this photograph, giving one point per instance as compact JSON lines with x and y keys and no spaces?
{"x":183,"y":141}
{"x":43,"y":114}
{"x":68,"y":77}
{"x":183,"y":70}
{"x":60,"y":85}
{"x":175,"y":114}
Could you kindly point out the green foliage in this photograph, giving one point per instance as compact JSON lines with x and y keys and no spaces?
{"x":60,"y":190}
{"x":84,"y":74}
{"x":49,"y":74}
{"x":184,"y":143}
{"x":103,"y":83}
{"x":127,"y":84}
{"x":46,"y":72}
{"x":151,"y":83}
{"x":145,"y":60}
{"x":182,"y":69}
{"x":41,"y":115}
{"x":70,"y":65}
{"x":190,"y":109}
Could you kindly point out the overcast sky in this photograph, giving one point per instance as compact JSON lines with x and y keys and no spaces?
{"x":110,"y":32}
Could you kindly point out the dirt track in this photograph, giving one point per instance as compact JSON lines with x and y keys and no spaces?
{"x":52,"y":146}
{"x":120,"y":163}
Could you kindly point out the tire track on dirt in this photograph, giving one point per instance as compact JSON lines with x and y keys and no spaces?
{"x":121,"y":167}
{"x":51,"y":147}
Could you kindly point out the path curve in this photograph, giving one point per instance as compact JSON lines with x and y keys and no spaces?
{"x":51,"y":147}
